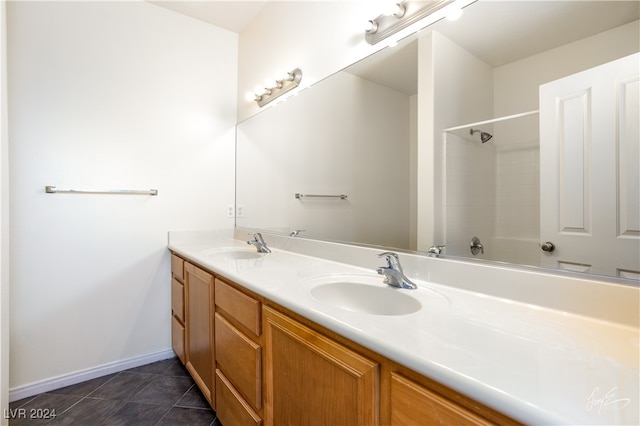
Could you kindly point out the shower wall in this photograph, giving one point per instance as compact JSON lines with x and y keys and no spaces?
{"x":517,"y":203}
{"x":470,"y":194}
{"x":492,"y":191}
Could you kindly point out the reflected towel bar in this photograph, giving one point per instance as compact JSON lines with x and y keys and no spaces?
{"x":50,"y":189}
{"x":299,"y":196}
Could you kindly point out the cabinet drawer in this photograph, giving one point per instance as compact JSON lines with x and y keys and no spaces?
{"x":177,"y":299}
{"x":240,"y":360}
{"x":411,"y":402}
{"x":231,"y":409}
{"x":243,"y":308}
{"x":177,"y":338}
{"x":177,"y":267}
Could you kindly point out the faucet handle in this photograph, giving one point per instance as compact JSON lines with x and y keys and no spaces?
{"x":394,"y":276}
{"x":296,"y":232}
{"x":388,"y":255}
{"x":259,"y":243}
{"x":393,"y":260}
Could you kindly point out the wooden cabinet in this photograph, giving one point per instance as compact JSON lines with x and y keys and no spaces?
{"x":256,"y":362}
{"x":412,"y":402}
{"x":238,"y":356}
{"x":199,"y":328}
{"x":311,"y":379}
{"x":232,"y":409}
{"x":177,"y":307}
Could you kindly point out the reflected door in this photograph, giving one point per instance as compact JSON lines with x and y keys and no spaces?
{"x":589,"y":179}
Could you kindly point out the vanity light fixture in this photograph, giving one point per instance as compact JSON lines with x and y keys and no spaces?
{"x":276,"y":88}
{"x":408,"y":13}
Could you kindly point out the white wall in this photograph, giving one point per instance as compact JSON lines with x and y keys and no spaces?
{"x":109,"y":95}
{"x":4,"y":221}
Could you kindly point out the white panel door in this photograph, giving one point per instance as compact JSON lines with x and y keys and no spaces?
{"x":589,"y":170}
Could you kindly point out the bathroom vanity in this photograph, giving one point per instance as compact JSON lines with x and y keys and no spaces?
{"x":296,"y":337}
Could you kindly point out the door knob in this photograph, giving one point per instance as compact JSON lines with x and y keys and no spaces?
{"x":548,"y":246}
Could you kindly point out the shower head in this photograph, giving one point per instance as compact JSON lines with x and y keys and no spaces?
{"x":484,"y":136}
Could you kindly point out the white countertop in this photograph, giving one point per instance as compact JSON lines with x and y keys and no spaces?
{"x":535,"y":364}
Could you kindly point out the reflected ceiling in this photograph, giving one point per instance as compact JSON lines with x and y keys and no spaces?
{"x":547,"y":27}
{"x":546,"y":30}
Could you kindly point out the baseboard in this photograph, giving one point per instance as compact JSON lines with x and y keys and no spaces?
{"x":58,"y":382}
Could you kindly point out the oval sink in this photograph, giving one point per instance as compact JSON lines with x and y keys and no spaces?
{"x":366,"y":298}
{"x":235,"y":255}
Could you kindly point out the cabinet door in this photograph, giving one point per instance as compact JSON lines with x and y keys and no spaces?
{"x":413,"y":404}
{"x":311,"y":379}
{"x":199,"y":328}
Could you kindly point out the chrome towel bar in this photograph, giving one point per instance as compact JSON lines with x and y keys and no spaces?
{"x":299,"y":196}
{"x":50,"y":189}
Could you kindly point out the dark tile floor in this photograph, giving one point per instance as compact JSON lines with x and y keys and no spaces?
{"x":161,"y":393}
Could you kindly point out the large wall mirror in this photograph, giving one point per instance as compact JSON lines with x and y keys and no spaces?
{"x":510,"y":135}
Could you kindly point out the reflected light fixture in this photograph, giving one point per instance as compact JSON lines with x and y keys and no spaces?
{"x":410,"y":12}
{"x":276,"y":88}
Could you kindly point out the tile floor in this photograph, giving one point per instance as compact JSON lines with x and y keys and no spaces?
{"x":161,"y":393}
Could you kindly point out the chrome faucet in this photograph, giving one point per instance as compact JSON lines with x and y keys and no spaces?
{"x":394,"y":276}
{"x":259,"y":243}
{"x":435,"y":250}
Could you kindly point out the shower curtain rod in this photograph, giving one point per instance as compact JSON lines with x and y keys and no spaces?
{"x":493,"y":120}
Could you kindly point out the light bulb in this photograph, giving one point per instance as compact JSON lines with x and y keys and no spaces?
{"x":371,"y":26}
{"x":394,"y":9}
{"x":286,"y":76}
{"x":270,"y":82}
{"x":251,"y":97}
{"x":281,"y":75}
